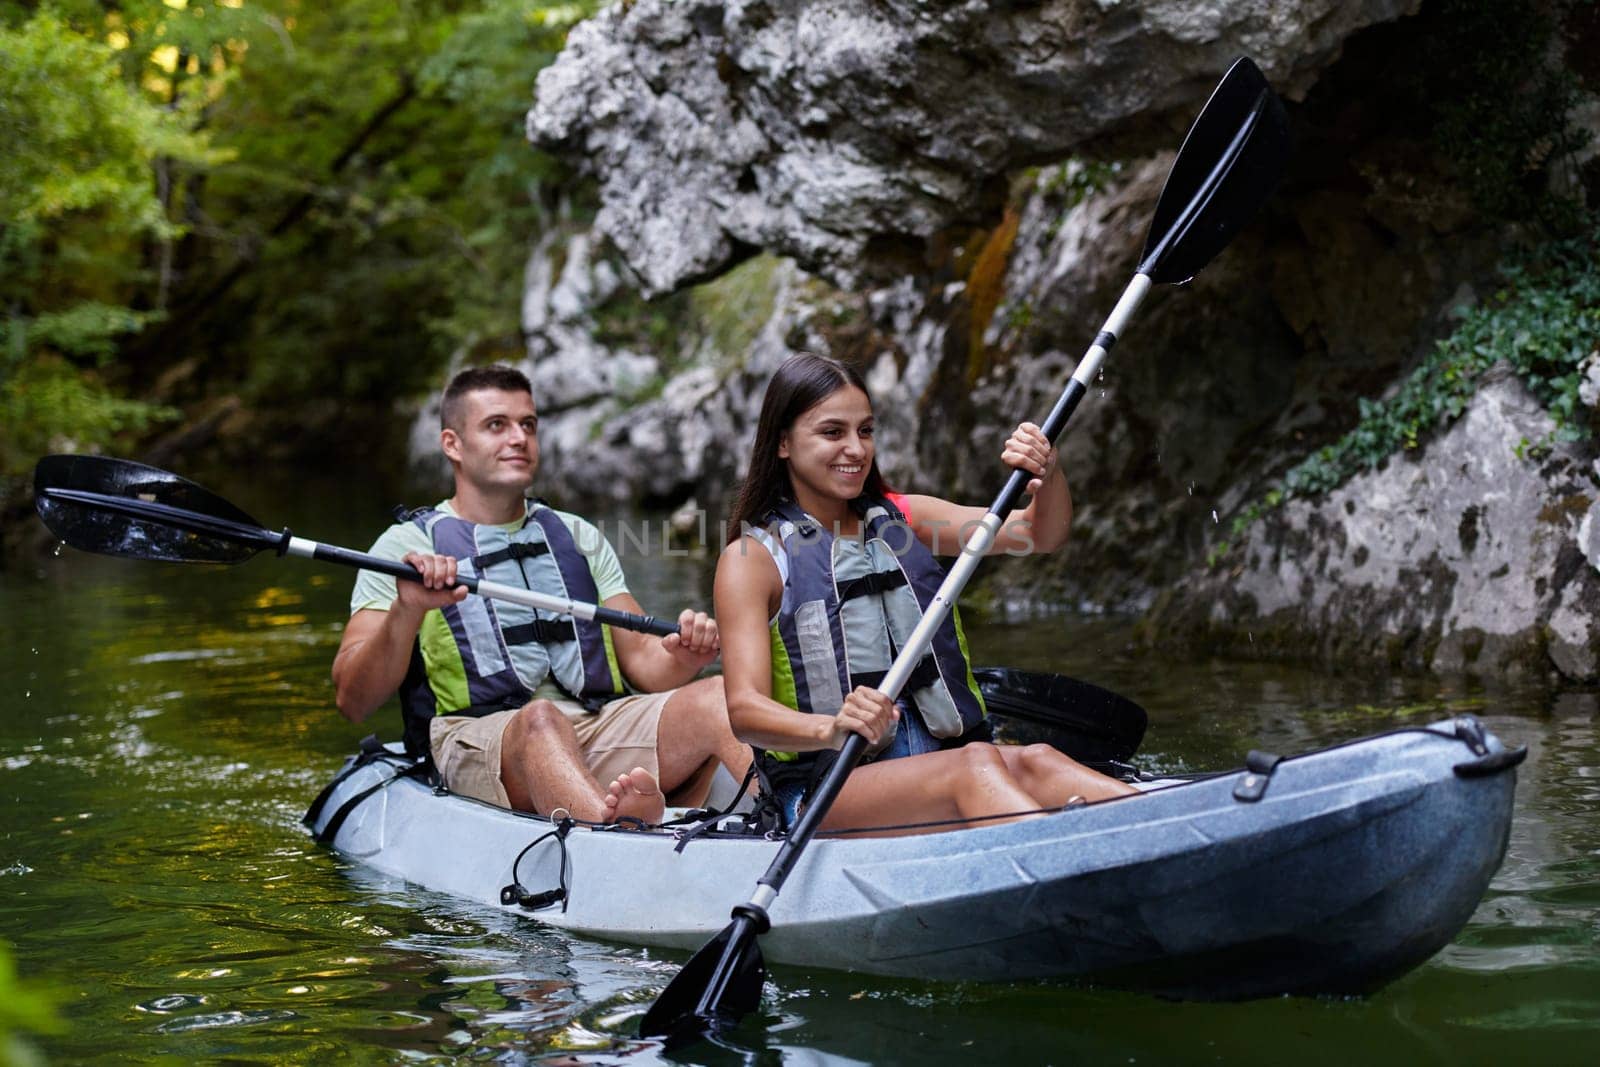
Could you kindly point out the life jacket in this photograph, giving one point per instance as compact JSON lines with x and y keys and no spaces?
{"x":848,"y":607}
{"x":481,"y":655}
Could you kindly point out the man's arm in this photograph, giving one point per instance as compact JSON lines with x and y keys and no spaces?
{"x":655,"y":664}
{"x":376,"y":648}
{"x":650,"y":664}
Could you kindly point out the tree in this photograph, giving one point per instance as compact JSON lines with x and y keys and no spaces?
{"x":285,"y":201}
{"x":75,"y":200}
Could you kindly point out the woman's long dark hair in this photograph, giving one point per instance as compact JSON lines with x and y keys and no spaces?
{"x":800,"y":384}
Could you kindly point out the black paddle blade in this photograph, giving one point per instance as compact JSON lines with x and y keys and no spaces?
{"x":119,"y":508}
{"x":720,"y":985}
{"x":1088,"y":723}
{"x":1229,"y":164}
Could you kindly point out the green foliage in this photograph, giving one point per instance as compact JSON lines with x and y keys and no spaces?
{"x":87,"y":328}
{"x":1071,"y":183}
{"x":24,"y":1007}
{"x":733,"y":308}
{"x":76,"y":140}
{"x":75,"y":182}
{"x":1543,"y":322}
{"x":50,"y":405}
{"x":1077,"y":179}
{"x":389,"y":188}
{"x":358,"y":207}
{"x":1502,"y":103}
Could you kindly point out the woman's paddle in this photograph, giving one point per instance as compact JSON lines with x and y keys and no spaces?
{"x":120,"y":508}
{"x":1088,"y":723}
{"x":1229,"y":163}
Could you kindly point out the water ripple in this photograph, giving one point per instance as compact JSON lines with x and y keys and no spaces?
{"x":225,"y":1019}
{"x":166,"y":1005}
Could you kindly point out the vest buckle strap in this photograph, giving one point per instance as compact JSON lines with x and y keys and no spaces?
{"x":924,"y":674}
{"x":871,"y":584}
{"x":541,"y":631}
{"x":517,"y":550}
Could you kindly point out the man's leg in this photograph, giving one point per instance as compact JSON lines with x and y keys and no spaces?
{"x":542,"y":769}
{"x":693,"y":737}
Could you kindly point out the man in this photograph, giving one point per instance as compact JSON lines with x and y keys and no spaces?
{"x":520,"y":708}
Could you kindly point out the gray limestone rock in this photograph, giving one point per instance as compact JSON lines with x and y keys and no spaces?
{"x":838,"y":131}
{"x":1471,"y":555}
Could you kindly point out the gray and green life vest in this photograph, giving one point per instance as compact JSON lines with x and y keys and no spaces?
{"x":849,"y":606}
{"x":480,"y":655}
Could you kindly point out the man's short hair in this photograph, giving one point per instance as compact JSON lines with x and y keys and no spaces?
{"x":495,"y":376}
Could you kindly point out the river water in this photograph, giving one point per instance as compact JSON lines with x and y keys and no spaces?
{"x":163,"y":727}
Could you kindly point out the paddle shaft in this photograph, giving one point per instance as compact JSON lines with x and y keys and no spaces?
{"x":977,"y":546}
{"x":578,"y":609}
{"x":285,"y":544}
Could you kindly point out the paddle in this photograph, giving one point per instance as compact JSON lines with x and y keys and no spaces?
{"x":1229,"y":162}
{"x":119,"y":508}
{"x":1088,"y":723}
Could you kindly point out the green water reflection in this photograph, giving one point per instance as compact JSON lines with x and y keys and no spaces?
{"x":163,"y":728}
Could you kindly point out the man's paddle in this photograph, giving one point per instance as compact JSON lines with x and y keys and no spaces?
{"x":1229,"y":163}
{"x":120,"y":508}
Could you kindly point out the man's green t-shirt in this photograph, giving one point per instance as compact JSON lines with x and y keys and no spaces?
{"x":377,"y":591}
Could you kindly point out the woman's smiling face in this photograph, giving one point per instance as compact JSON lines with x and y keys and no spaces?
{"x":829,"y":448}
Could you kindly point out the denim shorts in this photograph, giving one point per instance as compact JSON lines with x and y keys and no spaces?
{"x":790,"y":785}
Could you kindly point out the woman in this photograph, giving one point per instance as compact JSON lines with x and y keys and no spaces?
{"x":824,"y":577}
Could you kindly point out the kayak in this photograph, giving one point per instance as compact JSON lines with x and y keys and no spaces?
{"x":1332,"y":871}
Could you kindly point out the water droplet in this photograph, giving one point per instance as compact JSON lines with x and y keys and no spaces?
{"x":171,"y":1002}
{"x":1191,"y":489}
{"x":1213,"y":514}
{"x":26,"y":693}
{"x":59,"y":546}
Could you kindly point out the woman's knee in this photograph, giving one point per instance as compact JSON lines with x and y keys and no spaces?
{"x":982,"y":759}
{"x":1043,"y":759}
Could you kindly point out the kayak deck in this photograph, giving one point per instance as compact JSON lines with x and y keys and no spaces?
{"x":1352,"y":865}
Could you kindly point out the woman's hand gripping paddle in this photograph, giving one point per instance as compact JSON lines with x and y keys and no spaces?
{"x":1229,"y":163}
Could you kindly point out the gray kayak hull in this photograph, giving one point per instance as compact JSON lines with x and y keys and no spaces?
{"x":1356,"y":864}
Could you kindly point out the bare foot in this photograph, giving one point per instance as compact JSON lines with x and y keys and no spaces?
{"x":635,"y":794}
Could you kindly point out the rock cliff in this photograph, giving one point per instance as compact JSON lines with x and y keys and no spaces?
{"x":847,"y":133}
{"x":952,"y":195}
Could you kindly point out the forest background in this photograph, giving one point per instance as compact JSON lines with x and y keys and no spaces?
{"x":285,"y":213}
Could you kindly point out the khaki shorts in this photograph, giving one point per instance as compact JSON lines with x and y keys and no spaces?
{"x":617,"y":738}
